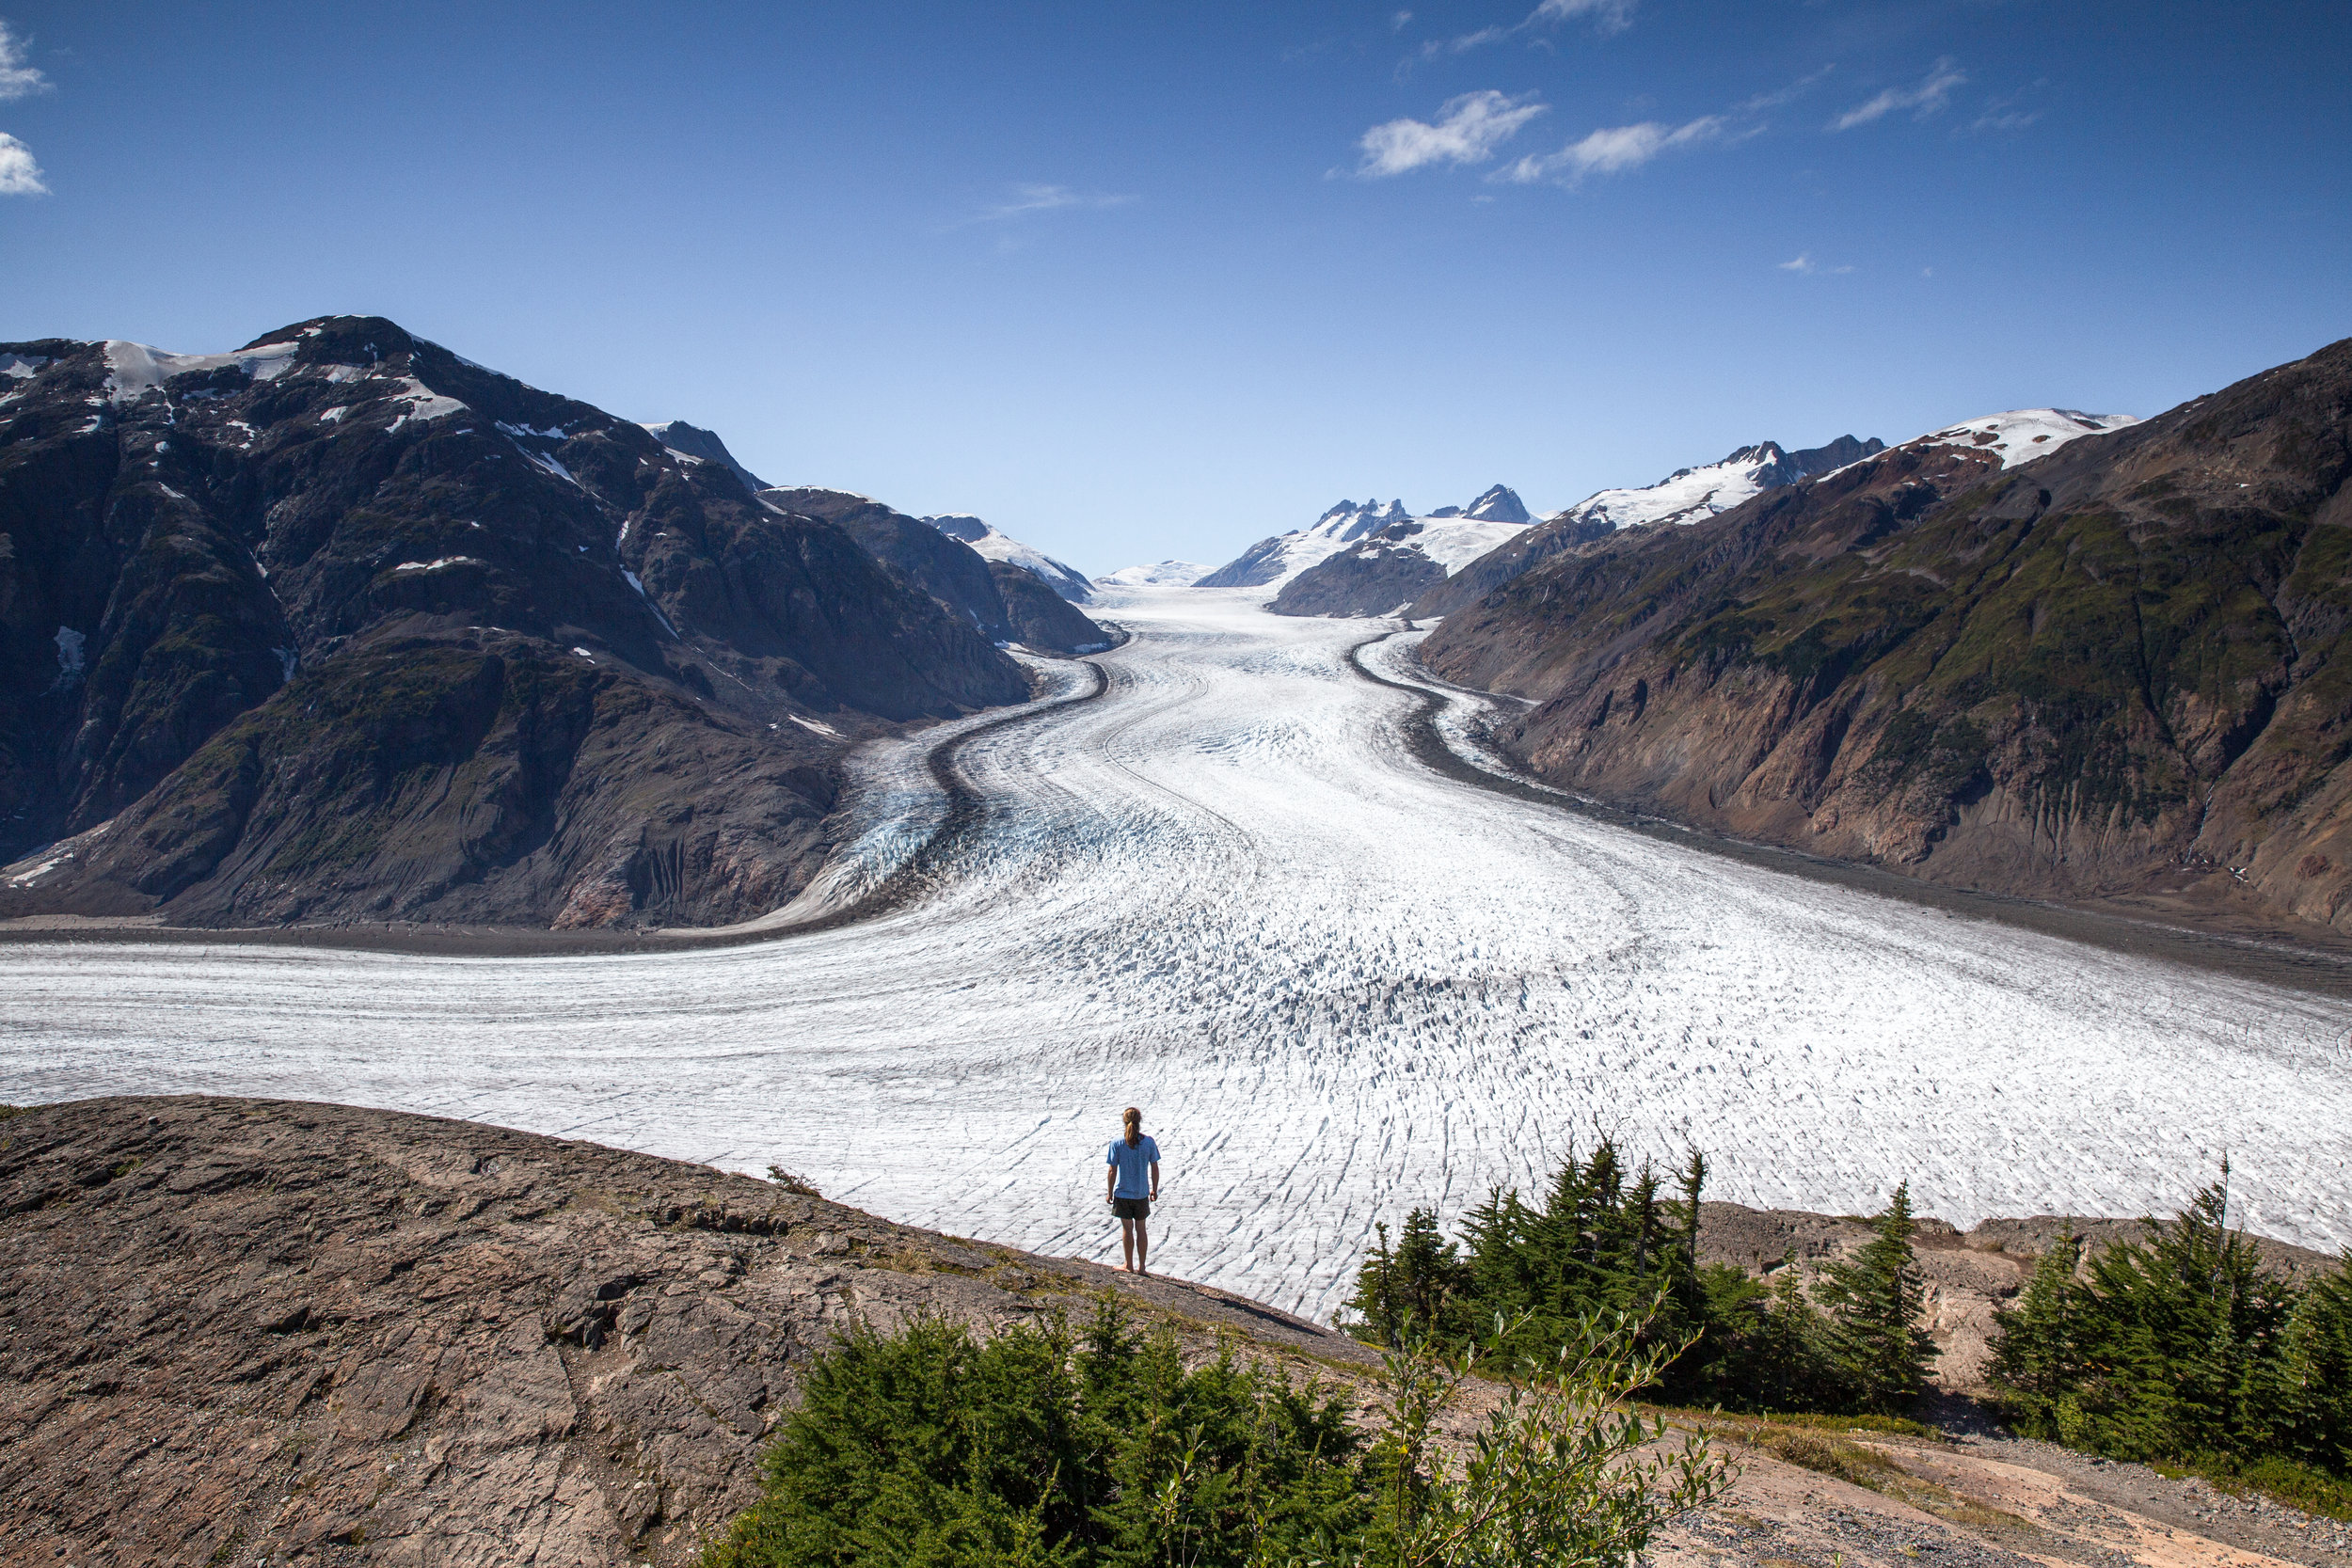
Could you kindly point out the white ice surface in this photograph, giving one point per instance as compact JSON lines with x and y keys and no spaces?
{"x":1160,"y":574}
{"x":1337,"y":985}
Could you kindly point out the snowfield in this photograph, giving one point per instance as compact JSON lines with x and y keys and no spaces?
{"x":1338,"y":983}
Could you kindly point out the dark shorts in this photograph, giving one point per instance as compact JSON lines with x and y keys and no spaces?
{"x":1131,"y":1208}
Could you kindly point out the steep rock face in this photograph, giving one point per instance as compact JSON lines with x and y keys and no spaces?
{"x":1687,"y":494}
{"x":2119,"y":668}
{"x":1006,"y":602}
{"x":342,"y":626}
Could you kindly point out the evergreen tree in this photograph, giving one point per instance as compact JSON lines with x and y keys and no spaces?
{"x":1421,"y":1282}
{"x":1875,"y":1348}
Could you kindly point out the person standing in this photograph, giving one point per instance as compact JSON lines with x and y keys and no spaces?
{"x":1125,"y":1190}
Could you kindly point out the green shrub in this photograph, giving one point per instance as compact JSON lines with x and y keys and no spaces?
{"x":1037,"y":1447}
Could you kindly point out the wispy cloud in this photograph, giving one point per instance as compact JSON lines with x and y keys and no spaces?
{"x":1933,"y":91}
{"x":1467,"y":130}
{"x":1782,"y":97}
{"x":1608,"y":16}
{"x":1612,"y":151}
{"x":1397,"y":22}
{"x":1044,"y":199}
{"x":19,"y":174}
{"x":1807,"y":266}
{"x":17,"y":79}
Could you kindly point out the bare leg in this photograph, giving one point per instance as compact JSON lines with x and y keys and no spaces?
{"x":1127,"y":1241}
{"x":1143,"y":1248}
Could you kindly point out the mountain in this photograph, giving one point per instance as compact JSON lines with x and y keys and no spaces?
{"x":1274,"y":561}
{"x":2121,"y":669}
{"x":1161,"y":574}
{"x":1067,"y":581}
{"x":1685,"y":496}
{"x":1005,"y":602}
{"x":1389,"y":568}
{"x":698,"y":445}
{"x":341,"y":626}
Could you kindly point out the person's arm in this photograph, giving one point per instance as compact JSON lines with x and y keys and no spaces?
{"x":1155,"y":1180}
{"x":1111,"y":1179}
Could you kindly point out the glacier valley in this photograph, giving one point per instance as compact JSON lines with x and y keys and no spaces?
{"x":1339,"y":984}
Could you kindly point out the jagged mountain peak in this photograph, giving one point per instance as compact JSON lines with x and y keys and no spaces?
{"x":1498,"y":504}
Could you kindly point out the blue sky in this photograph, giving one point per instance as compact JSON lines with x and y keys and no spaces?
{"x":1138,"y":279}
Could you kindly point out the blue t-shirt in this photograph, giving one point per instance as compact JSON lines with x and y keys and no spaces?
{"x":1134,"y":1172}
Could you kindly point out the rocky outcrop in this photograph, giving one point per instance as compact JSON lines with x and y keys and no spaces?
{"x":341,"y":626}
{"x":251,"y":1330}
{"x":2117,"y":671}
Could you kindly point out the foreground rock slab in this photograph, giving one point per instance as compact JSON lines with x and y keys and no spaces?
{"x":271,"y":1331}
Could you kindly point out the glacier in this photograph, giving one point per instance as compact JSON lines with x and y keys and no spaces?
{"x":1339,"y":984}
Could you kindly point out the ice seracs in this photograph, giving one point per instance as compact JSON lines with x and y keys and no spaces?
{"x":1067,"y":580}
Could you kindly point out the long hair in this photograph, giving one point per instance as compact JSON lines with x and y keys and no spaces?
{"x":1134,"y":1119}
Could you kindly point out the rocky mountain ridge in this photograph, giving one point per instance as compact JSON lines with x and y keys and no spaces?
{"x":343,"y":625}
{"x":1687,"y":494}
{"x":2118,"y":671}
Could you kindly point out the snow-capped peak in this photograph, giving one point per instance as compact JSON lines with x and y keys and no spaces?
{"x":2022,"y":434}
{"x":1693,"y":495}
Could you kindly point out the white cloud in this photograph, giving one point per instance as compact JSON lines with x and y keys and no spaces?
{"x":17,"y":79}
{"x":1923,"y":99}
{"x":1613,"y":149}
{"x":1608,"y":16}
{"x":1807,"y":266}
{"x":1045,"y":199}
{"x":1467,"y":131}
{"x":1397,"y":22}
{"x":19,"y":174}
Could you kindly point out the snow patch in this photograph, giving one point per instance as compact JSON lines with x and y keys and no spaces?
{"x":442,"y":563}
{"x":1067,"y":580}
{"x":817,"y":725}
{"x":70,"y":648}
{"x":2022,"y":434}
{"x":135,"y":369}
{"x":21,"y":367}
